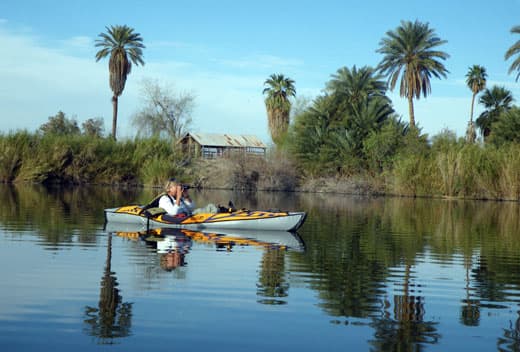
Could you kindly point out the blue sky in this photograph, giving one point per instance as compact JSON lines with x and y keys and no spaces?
{"x":222,"y":52}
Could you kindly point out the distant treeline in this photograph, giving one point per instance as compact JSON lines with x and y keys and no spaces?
{"x":445,"y":166}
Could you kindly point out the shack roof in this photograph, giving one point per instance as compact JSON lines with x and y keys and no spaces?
{"x":225,"y":140}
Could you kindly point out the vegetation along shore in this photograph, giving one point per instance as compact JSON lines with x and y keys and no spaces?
{"x":346,"y":140}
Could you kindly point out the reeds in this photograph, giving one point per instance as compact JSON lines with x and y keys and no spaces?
{"x":12,"y":149}
{"x":460,"y":170}
{"x":76,"y":159}
{"x":449,"y":167}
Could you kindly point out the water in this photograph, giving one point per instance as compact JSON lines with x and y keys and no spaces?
{"x":363,"y":274}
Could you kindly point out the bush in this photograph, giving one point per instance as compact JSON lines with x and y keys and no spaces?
{"x":507,"y":128}
{"x":381,"y":146}
{"x":60,"y":125}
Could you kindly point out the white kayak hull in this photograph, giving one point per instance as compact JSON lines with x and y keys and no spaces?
{"x":290,"y":221}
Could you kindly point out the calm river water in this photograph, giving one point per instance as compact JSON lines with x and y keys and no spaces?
{"x":362,"y":274}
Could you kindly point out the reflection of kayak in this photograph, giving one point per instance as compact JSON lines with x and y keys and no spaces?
{"x":237,"y":220}
{"x":283,"y":239}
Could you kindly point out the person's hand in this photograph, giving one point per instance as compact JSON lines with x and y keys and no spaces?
{"x":178,"y":194}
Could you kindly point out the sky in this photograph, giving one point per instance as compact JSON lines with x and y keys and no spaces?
{"x":222,"y":52}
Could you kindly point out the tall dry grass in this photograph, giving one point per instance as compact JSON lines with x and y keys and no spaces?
{"x":13,"y":147}
{"x":447,"y":168}
{"x":26,"y":157}
{"x":242,"y":172}
{"x":459,"y":170}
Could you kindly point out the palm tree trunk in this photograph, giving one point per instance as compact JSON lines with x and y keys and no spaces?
{"x":472,"y":104}
{"x":114,"y":116}
{"x":410,"y":110}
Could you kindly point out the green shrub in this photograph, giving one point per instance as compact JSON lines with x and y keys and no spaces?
{"x":507,"y":128}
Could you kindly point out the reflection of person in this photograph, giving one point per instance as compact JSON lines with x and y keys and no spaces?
{"x":172,"y":260}
{"x":177,"y":200}
{"x":173,"y":249}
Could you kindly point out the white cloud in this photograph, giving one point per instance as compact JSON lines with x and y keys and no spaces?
{"x":39,"y":81}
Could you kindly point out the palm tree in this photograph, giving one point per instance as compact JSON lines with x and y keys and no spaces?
{"x":476,"y":81}
{"x":410,"y":52}
{"x":279,"y":90}
{"x":496,"y":101}
{"x":514,"y":50}
{"x":124,"y":47}
{"x":357,"y":85}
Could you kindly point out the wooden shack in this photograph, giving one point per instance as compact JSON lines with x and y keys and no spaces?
{"x":211,"y":145}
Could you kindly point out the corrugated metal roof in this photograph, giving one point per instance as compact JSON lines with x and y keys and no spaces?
{"x":226,"y":140}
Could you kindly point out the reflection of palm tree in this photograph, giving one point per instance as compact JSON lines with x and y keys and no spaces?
{"x":470,"y":312}
{"x":272,"y":282}
{"x":408,"y":330}
{"x":112,"y":318}
{"x":408,"y":308}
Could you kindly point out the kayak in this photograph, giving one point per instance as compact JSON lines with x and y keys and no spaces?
{"x":233,"y":220}
{"x":167,"y":237}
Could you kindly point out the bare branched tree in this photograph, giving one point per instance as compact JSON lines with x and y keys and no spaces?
{"x":165,"y":113}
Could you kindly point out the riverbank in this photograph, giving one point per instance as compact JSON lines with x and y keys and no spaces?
{"x":447,"y":168}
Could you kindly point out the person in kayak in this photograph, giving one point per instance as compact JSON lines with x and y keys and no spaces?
{"x":177,"y":200}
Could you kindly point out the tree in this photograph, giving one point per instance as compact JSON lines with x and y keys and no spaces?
{"x":124,"y":47}
{"x":410,"y":53}
{"x":311,"y":131}
{"x":327,"y":138}
{"x":507,"y":127}
{"x":496,"y":101}
{"x":381,"y":145}
{"x":93,"y":127}
{"x":514,"y":50}
{"x":60,"y":125}
{"x":279,"y":89}
{"x":165,"y":113}
{"x":476,"y":81}
{"x":369,"y":118}
{"x":356,"y":86}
